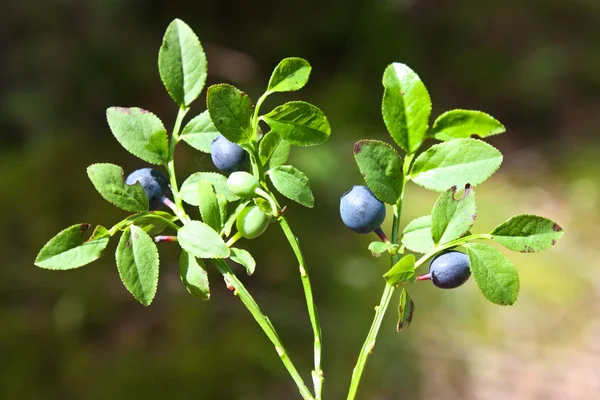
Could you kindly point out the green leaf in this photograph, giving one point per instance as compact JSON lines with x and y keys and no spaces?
{"x":527,"y":233}
{"x":209,"y":205}
{"x":458,"y":124}
{"x":200,"y":132}
{"x":263,"y":205}
{"x":231,"y":111}
{"x":378,"y":248}
{"x":193,"y":275}
{"x":455,"y":163}
{"x":299,"y":123}
{"x":272,"y":147}
{"x":137,"y":262}
{"x":381,"y":166}
{"x":417,"y":235}
{"x":108,"y":181}
{"x":451,"y":218}
{"x":406,"y":106}
{"x":243,"y":258}
{"x":406,"y":309}
{"x":151,"y":222}
{"x":140,"y":132}
{"x":281,"y":154}
{"x":228,"y":225}
{"x":182,"y":63}
{"x":495,"y":275}
{"x":403,"y":271}
{"x":189,"y":189}
{"x":289,"y":75}
{"x":222,"y":202}
{"x":293,"y":184}
{"x":201,"y":241}
{"x":68,"y":250}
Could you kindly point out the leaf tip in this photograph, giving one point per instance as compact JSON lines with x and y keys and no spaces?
{"x":556,"y":227}
{"x":83,"y":227}
{"x":358,"y":146}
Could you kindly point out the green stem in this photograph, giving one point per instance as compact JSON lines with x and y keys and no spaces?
{"x":130,"y":220}
{"x":317,"y":373}
{"x":384,"y":304}
{"x":269,"y":198}
{"x":256,"y":112}
{"x":171,"y":166}
{"x":264,"y":323}
{"x":380,"y":310}
{"x":233,"y":239}
{"x":449,"y":245}
{"x":257,"y":169}
{"x":369,"y":344}
{"x":240,"y":289}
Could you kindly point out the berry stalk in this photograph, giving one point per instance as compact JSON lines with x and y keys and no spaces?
{"x":240,"y":290}
{"x":231,"y":280}
{"x":179,"y":211}
{"x":386,"y":297}
{"x":317,"y":373}
{"x":258,"y":169}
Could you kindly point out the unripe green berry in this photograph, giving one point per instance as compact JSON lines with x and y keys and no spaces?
{"x":243,"y":184}
{"x":252,"y":222}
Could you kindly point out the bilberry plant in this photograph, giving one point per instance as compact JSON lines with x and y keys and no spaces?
{"x":230,"y":131}
{"x":454,"y":166}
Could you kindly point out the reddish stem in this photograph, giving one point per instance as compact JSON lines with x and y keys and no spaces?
{"x":167,"y":202}
{"x":161,"y":239}
{"x":425,"y":277}
{"x":379,"y":232}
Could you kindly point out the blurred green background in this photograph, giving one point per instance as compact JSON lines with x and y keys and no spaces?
{"x":535,"y":65}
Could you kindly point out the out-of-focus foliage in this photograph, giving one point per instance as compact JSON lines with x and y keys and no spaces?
{"x":533,"y":65}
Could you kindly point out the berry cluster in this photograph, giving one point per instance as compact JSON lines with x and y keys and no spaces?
{"x":253,"y":168}
{"x":364,"y":213}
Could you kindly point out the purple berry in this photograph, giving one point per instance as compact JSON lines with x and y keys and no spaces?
{"x":361,"y":211}
{"x":228,"y":156}
{"x":449,"y":270}
{"x":154,"y":183}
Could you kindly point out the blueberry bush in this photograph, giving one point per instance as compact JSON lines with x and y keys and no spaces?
{"x":251,"y":148}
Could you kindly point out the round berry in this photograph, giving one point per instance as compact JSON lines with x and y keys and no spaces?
{"x":243,"y":184}
{"x":361,"y":211}
{"x":450,"y":270}
{"x":252,"y":222}
{"x":154,"y":183}
{"x":228,"y":156}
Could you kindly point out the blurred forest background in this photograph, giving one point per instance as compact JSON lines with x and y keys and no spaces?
{"x":534,"y":65}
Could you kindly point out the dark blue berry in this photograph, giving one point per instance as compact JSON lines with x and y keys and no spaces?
{"x":228,"y":156}
{"x":154,"y":183}
{"x":450,"y":270}
{"x":361,"y":211}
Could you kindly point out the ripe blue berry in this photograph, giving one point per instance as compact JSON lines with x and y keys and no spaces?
{"x":154,"y":183}
{"x":228,"y":156}
{"x":449,"y":270}
{"x":361,"y":211}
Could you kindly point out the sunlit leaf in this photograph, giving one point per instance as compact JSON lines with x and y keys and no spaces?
{"x":182,"y":63}
{"x":455,"y":163}
{"x":406,"y":106}
{"x":528,"y":233}
{"x":140,"y":132}
{"x":495,"y":275}
{"x":137,"y":262}
{"x":68,"y":249}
